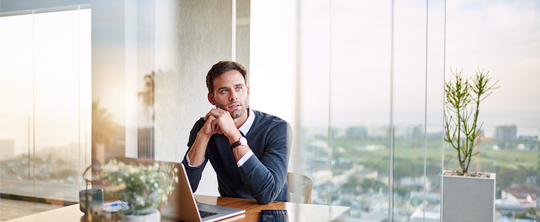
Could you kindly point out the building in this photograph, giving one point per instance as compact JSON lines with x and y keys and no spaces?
{"x":356,"y":133}
{"x":522,"y":196}
{"x":505,"y":133}
{"x":523,"y":138}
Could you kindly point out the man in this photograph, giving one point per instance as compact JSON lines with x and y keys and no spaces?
{"x":248,"y":149}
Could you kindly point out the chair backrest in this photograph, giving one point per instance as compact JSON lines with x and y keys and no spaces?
{"x":300,"y":184}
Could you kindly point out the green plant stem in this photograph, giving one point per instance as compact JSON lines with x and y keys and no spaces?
{"x":459,"y":94}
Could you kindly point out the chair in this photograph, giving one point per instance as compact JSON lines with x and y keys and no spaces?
{"x":300,"y":185}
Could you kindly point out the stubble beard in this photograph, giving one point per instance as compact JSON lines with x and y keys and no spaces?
{"x":237,"y":113}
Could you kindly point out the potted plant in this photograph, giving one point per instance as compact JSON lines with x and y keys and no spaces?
{"x":142,"y":187}
{"x":466,"y":196}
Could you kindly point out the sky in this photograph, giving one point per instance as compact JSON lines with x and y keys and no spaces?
{"x":502,"y":37}
{"x":345,"y":59}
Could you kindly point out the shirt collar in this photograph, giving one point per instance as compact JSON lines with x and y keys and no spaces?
{"x":249,"y":122}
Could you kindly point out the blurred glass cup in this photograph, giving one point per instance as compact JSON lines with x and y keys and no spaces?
{"x":92,"y":198}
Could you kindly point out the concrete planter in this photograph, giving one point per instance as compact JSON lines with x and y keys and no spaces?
{"x":468,"y":198}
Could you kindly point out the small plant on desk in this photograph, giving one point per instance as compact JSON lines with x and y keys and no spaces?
{"x":142,"y":187}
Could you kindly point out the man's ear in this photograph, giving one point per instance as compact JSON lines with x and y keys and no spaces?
{"x":211,"y":98}
{"x":248,"y":90}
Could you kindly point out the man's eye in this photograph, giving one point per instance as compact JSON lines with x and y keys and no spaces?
{"x":238,"y":88}
{"x":224,"y":91}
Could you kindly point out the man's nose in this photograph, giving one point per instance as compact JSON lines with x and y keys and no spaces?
{"x":234,"y":96}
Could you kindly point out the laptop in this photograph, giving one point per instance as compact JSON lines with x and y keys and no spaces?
{"x":181,"y":204}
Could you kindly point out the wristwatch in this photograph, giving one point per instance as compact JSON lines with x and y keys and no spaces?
{"x":241,"y":141}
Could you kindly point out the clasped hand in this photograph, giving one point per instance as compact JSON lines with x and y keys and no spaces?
{"x":219,"y":121}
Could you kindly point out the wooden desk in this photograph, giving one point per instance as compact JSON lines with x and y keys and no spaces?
{"x":309,"y":212}
{"x":306,"y":212}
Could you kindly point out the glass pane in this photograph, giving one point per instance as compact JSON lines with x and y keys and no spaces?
{"x":360,"y":107}
{"x":480,"y":40}
{"x":409,"y":108}
{"x":45,"y":125}
{"x":16,"y":97}
{"x":58,"y":104}
{"x":315,"y":99}
{"x":418,"y":109}
{"x":434,"y":109}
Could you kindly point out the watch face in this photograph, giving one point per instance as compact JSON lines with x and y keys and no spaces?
{"x":243,"y":141}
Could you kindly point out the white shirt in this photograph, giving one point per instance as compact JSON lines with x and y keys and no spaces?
{"x":245,"y":129}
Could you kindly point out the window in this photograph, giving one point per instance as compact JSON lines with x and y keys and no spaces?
{"x":45,"y":79}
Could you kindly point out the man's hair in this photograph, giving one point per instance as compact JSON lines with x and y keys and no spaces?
{"x":220,"y":68}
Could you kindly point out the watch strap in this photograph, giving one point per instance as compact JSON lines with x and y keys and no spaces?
{"x":235,"y":144}
{"x":238,"y":142}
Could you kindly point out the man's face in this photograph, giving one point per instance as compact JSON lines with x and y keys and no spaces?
{"x":231,"y":94}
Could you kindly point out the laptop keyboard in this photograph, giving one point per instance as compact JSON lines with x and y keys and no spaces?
{"x":205,"y":214}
